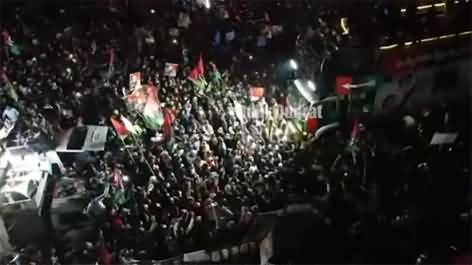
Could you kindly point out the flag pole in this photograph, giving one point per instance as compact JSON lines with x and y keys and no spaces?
{"x":142,"y":154}
{"x":127,"y":150}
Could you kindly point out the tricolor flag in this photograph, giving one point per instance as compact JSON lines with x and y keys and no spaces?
{"x":133,"y":129}
{"x":120,"y":127}
{"x":171,"y":69}
{"x":8,"y":41}
{"x":256,"y":93}
{"x":197,"y":75}
{"x":153,"y":117}
{"x":199,"y":71}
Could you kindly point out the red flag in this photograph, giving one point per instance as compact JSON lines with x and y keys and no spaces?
{"x":7,"y":38}
{"x":341,"y":81}
{"x":199,"y":71}
{"x":312,"y":124}
{"x":119,"y":127}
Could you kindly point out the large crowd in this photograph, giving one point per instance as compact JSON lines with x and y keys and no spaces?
{"x":194,"y":183}
{"x":200,"y":186}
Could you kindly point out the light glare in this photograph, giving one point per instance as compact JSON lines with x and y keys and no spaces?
{"x":293,"y":64}
{"x":311,"y":85}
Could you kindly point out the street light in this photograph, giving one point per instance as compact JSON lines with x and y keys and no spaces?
{"x":293,"y":64}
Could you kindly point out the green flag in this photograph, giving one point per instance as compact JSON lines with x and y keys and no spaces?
{"x":152,"y":114}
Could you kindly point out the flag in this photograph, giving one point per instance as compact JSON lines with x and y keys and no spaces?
{"x":312,"y":124}
{"x":171,"y":69}
{"x":342,"y":83}
{"x":133,"y":129}
{"x":8,"y":41}
{"x":198,"y":72}
{"x":83,"y":138}
{"x":256,"y":93}
{"x":120,"y":128}
{"x":134,"y":81}
{"x":152,"y":113}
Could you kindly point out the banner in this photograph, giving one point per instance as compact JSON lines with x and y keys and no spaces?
{"x":134,"y":81}
{"x":171,"y":69}
{"x":80,"y":139}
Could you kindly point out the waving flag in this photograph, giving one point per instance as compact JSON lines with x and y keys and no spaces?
{"x":133,"y":129}
{"x":8,"y":41}
{"x":152,"y":113}
{"x":197,"y":76}
{"x":120,"y":127}
{"x":199,"y":71}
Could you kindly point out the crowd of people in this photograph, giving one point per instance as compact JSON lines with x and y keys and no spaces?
{"x":196,"y":182}
{"x":201,"y":186}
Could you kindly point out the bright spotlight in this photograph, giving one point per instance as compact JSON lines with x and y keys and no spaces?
{"x":207,"y":4}
{"x":293,"y":64}
{"x":152,"y":11}
{"x":311,"y":85}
